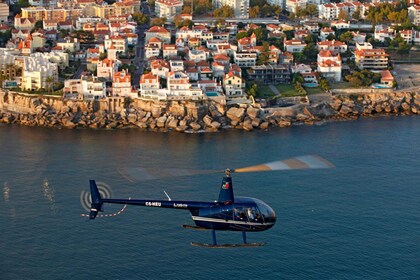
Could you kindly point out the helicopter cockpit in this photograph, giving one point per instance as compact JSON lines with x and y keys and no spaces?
{"x":258,"y":211}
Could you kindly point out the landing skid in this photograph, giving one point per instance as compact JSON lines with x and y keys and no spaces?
{"x":227,"y":245}
{"x":194,"y":227}
{"x":215,"y":245}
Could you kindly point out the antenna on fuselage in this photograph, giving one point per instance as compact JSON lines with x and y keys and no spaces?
{"x":167,"y":195}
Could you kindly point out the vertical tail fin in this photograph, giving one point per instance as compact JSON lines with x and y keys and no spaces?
{"x":97,"y":203}
{"x":226,"y":190}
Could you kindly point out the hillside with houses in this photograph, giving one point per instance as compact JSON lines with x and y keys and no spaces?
{"x":170,"y":50}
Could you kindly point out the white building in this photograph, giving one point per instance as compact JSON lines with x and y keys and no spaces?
{"x":121,"y":85}
{"x":329,"y":65}
{"x":245,"y":59}
{"x":4,"y":12}
{"x":333,"y":46}
{"x":178,"y":85}
{"x":38,"y":73}
{"x":240,"y":7}
{"x":294,"y":46}
{"x":293,"y":5}
{"x":150,"y":87}
{"x":414,"y":14}
{"x":168,"y":8}
{"x":86,"y":88}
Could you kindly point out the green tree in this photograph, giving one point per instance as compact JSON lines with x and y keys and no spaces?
{"x":356,"y":15}
{"x":311,"y":10}
{"x":263,"y":58}
{"x":158,"y":21}
{"x":310,"y":52}
{"x":343,"y":15}
{"x":23,"y":3}
{"x":346,"y":37}
{"x":49,"y":81}
{"x":224,"y":12}
{"x":140,"y":18}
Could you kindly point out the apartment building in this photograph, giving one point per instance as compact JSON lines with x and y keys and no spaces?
{"x":270,"y":74}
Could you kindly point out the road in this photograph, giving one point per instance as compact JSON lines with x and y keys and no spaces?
{"x":139,"y":61}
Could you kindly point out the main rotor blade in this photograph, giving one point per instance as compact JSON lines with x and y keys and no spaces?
{"x":145,"y":174}
{"x":302,"y":162}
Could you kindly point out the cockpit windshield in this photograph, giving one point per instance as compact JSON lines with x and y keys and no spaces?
{"x":266,"y":211}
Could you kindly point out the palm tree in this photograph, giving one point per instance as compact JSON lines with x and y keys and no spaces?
{"x":50,"y":81}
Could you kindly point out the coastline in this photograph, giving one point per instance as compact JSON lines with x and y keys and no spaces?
{"x":198,"y":116}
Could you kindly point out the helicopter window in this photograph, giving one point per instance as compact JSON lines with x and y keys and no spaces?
{"x":240,"y":214}
{"x":266,"y":212}
{"x":254,"y":215}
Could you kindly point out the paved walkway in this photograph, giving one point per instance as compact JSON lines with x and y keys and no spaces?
{"x":274,"y":89}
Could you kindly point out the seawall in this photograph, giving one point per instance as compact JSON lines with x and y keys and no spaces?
{"x":190,"y":116}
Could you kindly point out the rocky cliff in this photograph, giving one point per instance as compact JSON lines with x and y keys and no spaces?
{"x":189,"y":116}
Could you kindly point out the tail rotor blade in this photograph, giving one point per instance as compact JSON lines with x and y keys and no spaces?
{"x":302,"y":162}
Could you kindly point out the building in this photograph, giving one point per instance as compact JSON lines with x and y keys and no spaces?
{"x":329,"y":65}
{"x":371,"y":59}
{"x":4,"y":12}
{"x":233,"y":85}
{"x":41,"y":13}
{"x":38,"y":73}
{"x":149,"y":87}
{"x":333,"y":46}
{"x":294,"y":46}
{"x":387,"y":78}
{"x":270,"y":74}
{"x":414,"y":14}
{"x":121,"y":85}
{"x":168,"y":8}
{"x":158,"y":32}
{"x":85,"y":88}
{"x":240,"y":7}
{"x":245,"y":59}
{"x":293,"y":5}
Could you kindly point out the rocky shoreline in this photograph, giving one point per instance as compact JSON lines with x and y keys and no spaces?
{"x":196,"y":116}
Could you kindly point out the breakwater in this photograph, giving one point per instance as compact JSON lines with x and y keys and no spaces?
{"x":192,"y":116}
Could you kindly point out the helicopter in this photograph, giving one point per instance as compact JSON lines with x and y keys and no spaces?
{"x":228,"y":212}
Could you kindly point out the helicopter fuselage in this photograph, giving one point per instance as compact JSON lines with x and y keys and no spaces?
{"x":245,"y":214}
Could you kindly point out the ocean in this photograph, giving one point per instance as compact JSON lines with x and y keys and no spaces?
{"x":359,"y":220}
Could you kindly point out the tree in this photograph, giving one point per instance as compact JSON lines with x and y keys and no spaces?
{"x":23,"y":3}
{"x":141,"y":18}
{"x":224,"y":12}
{"x":356,"y":14}
{"x":311,"y":10}
{"x":49,"y":81}
{"x":298,"y":78}
{"x":310,"y":52}
{"x":39,"y":24}
{"x":343,"y":15}
{"x":241,"y":35}
{"x":346,"y":37}
{"x":254,"y":12}
{"x":263,"y":58}
{"x":158,"y":21}
{"x":252,"y":90}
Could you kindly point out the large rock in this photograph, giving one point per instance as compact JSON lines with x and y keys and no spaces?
{"x":236,"y":114}
{"x":160,"y":122}
{"x":207,"y":120}
{"x":195,"y":126}
{"x":215,"y":124}
{"x":253,"y":113}
{"x":247,"y":125}
{"x":173,"y":123}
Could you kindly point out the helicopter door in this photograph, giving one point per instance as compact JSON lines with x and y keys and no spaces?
{"x":254,"y":215}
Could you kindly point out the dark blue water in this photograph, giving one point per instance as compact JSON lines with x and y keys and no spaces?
{"x":360,"y":220}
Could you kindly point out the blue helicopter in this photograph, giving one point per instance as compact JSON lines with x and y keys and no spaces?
{"x":228,"y":213}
